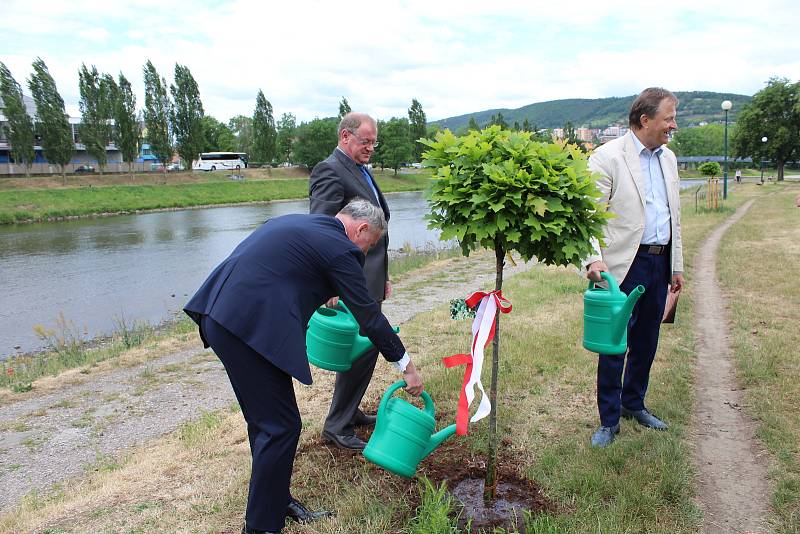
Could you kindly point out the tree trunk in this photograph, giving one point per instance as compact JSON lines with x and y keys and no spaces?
{"x":130,"y":170}
{"x":490,"y":484}
{"x":781,"y":164}
{"x":64,"y":174}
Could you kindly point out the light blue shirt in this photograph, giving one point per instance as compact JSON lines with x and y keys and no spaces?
{"x":656,"y":204}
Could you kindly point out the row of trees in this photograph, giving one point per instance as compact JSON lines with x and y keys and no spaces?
{"x":174,"y":121}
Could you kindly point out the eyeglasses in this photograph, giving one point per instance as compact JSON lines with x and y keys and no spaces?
{"x":364,"y":142}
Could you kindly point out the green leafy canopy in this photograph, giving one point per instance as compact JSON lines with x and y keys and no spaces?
{"x":502,"y":190}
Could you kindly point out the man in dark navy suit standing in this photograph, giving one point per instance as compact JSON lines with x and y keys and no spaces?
{"x":344,"y":175}
{"x":253,"y":311}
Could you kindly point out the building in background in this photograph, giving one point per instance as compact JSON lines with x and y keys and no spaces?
{"x":40,"y":163}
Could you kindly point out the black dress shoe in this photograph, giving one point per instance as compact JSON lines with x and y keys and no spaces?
{"x":352,"y":442}
{"x":362,"y":419}
{"x":297,"y":512}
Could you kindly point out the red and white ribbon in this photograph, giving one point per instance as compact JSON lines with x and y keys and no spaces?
{"x":483,"y":328}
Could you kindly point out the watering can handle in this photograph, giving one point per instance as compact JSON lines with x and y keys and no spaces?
{"x":429,"y":409}
{"x":612,"y":283}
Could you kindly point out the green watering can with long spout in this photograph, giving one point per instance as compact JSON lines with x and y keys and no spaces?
{"x":332,"y":338}
{"x":606,"y":313}
{"x":403,"y":434}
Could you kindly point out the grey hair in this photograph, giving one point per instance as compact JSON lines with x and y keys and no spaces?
{"x":352,"y":121}
{"x":647,"y":103}
{"x":359,"y":209}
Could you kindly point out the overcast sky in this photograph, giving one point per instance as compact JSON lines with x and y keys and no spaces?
{"x":455,"y":57}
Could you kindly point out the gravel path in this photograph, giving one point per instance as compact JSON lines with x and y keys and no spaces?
{"x":733,"y":488}
{"x":83,"y":424}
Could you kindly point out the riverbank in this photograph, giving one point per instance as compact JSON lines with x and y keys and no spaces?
{"x":45,"y":199}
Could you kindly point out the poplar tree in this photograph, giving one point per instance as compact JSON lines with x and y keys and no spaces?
{"x":187,"y":116}
{"x":287,"y":130}
{"x":344,"y":108}
{"x":20,"y":125}
{"x":126,"y":126}
{"x":416,"y":128}
{"x":156,"y":114}
{"x":264,"y":133}
{"x":95,"y":106}
{"x":52,"y":118}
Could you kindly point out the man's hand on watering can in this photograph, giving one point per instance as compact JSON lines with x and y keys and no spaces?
{"x":332,"y":302}
{"x":594,"y":270}
{"x":413,"y":380}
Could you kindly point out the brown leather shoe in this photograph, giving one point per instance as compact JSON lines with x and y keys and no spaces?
{"x":351,"y":442}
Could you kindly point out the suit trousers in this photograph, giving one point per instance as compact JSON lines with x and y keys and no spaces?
{"x":266,"y":395}
{"x":347,"y":393}
{"x":654,"y":273}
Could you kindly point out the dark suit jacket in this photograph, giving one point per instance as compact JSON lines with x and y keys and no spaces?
{"x":333,"y":183}
{"x":265,"y":292}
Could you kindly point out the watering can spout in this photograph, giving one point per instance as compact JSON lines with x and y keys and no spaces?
{"x":438,"y":438}
{"x":624,"y":314}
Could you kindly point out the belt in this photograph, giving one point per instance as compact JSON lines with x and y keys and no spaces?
{"x":655,"y":250}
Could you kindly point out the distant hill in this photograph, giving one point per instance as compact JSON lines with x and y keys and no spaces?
{"x":695,"y":107}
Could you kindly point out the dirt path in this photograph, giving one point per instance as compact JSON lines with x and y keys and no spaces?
{"x":81,"y":422}
{"x":733,"y":488}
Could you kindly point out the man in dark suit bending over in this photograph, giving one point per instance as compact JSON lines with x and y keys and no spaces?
{"x":253,"y":310}
{"x":333,"y":183}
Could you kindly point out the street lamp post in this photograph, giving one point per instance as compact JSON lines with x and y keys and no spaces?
{"x":763,"y":140}
{"x":726,"y":106}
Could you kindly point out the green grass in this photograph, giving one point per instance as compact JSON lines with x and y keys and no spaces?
{"x":756,"y":265}
{"x":435,"y":513}
{"x":25,"y":205}
{"x":415,"y":259}
{"x":66,"y":350}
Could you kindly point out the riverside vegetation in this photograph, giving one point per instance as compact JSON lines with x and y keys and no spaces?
{"x":40,"y":199}
{"x":197,"y":475}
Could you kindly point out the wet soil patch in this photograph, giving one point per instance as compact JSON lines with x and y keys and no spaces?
{"x":463,"y":472}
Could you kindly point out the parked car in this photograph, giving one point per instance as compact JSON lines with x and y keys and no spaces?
{"x":84,"y":169}
{"x":174,"y":167}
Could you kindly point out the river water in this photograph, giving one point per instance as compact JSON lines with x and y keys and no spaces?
{"x":138,"y":267}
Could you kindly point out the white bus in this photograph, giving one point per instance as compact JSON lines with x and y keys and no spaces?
{"x":211,"y":161}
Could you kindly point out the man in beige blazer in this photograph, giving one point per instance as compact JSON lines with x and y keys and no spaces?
{"x":638,"y":176}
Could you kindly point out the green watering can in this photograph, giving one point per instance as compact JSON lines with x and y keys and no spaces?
{"x":403,"y":434}
{"x":606,"y":313}
{"x":332,"y":338}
